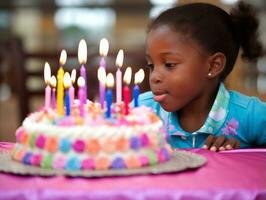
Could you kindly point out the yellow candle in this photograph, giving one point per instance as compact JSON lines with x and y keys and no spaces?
{"x":60,"y":85}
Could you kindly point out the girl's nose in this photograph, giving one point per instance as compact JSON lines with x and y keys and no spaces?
{"x":155,"y":77}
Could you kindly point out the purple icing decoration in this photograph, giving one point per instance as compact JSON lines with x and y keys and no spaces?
{"x":88,"y":164}
{"x":118,"y":163}
{"x":40,"y":141}
{"x":27,"y":158}
{"x":79,"y":146}
{"x":144,"y":140}
{"x":165,"y":153}
{"x":134,"y":143}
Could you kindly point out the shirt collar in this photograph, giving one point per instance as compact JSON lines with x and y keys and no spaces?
{"x":214,"y":121}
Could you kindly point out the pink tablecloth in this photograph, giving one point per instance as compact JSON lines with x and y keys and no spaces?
{"x":239,"y":174}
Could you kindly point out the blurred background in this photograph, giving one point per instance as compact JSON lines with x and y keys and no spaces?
{"x":35,"y":31}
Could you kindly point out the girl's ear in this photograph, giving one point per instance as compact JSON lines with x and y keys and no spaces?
{"x":216,"y":64}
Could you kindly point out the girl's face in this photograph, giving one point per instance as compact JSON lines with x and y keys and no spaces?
{"x":178,"y":68}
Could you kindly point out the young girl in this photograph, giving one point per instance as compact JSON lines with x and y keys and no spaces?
{"x":190,"y":50}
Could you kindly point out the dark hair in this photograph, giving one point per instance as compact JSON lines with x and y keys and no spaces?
{"x":215,"y":30}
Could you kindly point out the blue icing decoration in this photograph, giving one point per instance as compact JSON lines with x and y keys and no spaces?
{"x":73,"y":163}
{"x":165,"y":153}
{"x":65,"y":145}
{"x":26,"y":159}
{"x":118,"y":163}
{"x":134,"y":143}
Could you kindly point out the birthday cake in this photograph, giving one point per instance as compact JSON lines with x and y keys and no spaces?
{"x":92,"y":142}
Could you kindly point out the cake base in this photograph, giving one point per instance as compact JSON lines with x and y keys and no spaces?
{"x":180,"y":161}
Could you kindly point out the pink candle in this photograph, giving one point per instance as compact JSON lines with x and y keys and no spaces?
{"x":127,"y":97}
{"x":53,"y":98}
{"x":53,"y":84}
{"x":81,"y":95}
{"x":102,"y":78}
{"x":72,"y":89}
{"x":118,"y":86}
{"x":126,"y":90}
{"x":119,"y":63}
{"x":47,"y":96}
{"x":47,"y":77}
{"x":83,"y":74}
{"x":82,"y":57}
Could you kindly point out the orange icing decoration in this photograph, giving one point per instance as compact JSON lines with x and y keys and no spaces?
{"x":153,"y":117}
{"x":51,"y":144}
{"x":102,"y":162}
{"x":79,"y":120}
{"x":108,"y":145}
{"x":93,"y":146}
{"x":19,"y":155}
{"x":122,"y":144}
{"x":153,"y":140}
{"x":132,"y":162}
{"x":24,"y":138}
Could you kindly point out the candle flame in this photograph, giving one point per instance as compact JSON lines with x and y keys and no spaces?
{"x":104,"y":47}
{"x":127,"y":75}
{"x":81,"y":81}
{"x":139,"y":76}
{"x":53,"y":81}
{"x":67,"y":80}
{"x":63,"y":57}
{"x":110,"y":80}
{"x":47,"y":72}
{"x":82,"y":52}
{"x":101,"y":75}
{"x":73,"y":76}
{"x":119,"y":58}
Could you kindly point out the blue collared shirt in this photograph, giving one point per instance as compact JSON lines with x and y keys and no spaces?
{"x":232,"y":115}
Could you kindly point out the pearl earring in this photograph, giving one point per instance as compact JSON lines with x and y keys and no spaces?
{"x":209,"y":74}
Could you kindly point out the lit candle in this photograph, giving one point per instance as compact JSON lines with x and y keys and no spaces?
{"x":81,"y":95}
{"x":82,"y":57}
{"x":102,"y":79}
{"x":139,"y":76}
{"x":126,"y":90}
{"x":53,"y":84}
{"x":109,"y":95}
{"x":47,"y":76}
{"x":103,"y":51}
{"x":72,"y":89}
{"x":60,"y":85}
{"x":119,"y":63}
{"x":67,"y":84}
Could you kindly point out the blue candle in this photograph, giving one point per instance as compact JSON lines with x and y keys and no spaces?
{"x":109,"y":95}
{"x":139,"y":76}
{"x":67,"y":102}
{"x":109,"y":99}
{"x":67,"y":84}
{"x":136,"y":95}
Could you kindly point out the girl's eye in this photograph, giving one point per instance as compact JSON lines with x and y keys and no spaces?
{"x":150,"y":65}
{"x":170,"y":65}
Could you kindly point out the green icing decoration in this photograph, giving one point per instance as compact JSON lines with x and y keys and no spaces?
{"x":152,"y":158}
{"x":32,"y":140}
{"x":47,"y":161}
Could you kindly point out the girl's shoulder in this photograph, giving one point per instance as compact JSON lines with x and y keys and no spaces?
{"x":240,"y":100}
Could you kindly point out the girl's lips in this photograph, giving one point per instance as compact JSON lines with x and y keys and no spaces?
{"x":159,"y":98}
